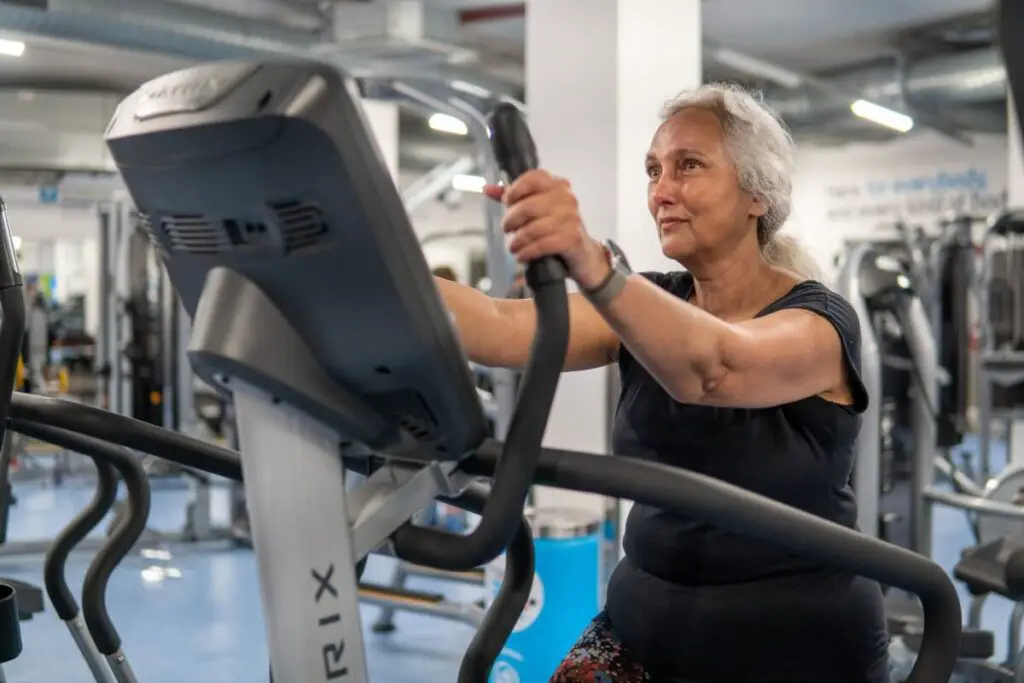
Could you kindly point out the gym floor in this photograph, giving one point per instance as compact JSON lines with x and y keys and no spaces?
{"x":206,"y":625}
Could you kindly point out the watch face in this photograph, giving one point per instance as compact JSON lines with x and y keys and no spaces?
{"x":618,"y":257}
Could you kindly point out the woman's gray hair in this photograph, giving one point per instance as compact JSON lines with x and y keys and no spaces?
{"x":762,"y":150}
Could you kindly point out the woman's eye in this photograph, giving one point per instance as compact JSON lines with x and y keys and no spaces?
{"x":690,"y":164}
{"x":653,"y":171}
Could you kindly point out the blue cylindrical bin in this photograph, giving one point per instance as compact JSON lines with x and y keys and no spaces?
{"x":564,"y":598}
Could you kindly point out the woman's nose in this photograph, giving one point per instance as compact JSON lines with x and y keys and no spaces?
{"x":664,"y":191}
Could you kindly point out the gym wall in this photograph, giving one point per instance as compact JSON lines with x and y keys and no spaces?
{"x":862,"y":190}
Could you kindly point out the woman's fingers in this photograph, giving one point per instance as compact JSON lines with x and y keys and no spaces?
{"x":495,"y":192}
{"x":527,"y":210}
{"x":543,"y":229}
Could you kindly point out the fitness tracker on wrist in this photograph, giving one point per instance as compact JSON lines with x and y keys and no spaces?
{"x":613,"y":283}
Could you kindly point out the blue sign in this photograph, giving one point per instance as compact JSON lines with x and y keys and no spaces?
{"x":49,"y":194}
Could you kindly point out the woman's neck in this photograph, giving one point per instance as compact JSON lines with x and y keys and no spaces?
{"x":736,"y":290}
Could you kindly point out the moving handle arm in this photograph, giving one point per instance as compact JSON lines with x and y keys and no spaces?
{"x":516,"y":153}
{"x":54,"y":578}
{"x":514,"y":593}
{"x":686,"y":493}
{"x":127,"y":432}
{"x":124,"y":536}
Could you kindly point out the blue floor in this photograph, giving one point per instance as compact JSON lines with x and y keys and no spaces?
{"x":206,"y":626}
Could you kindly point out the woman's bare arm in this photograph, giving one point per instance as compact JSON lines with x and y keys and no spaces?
{"x":498,"y":332}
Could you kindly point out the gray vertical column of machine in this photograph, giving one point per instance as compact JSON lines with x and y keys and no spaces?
{"x":114,"y":227}
{"x":866,"y":476}
{"x":109,"y":340}
{"x":925,"y":401}
{"x":314,"y":630}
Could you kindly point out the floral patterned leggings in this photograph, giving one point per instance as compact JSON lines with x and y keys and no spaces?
{"x":600,"y":657}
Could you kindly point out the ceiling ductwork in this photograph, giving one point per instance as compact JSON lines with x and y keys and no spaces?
{"x":363,"y":41}
{"x":959,"y":80}
{"x":967,"y":87}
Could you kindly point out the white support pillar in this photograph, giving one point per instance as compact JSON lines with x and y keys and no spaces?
{"x":1015,"y":159}
{"x":597,"y":74}
{"x":383,"y":118}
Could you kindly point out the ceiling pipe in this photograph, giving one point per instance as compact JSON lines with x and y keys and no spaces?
{"x":185,"y":32}
{"x":144,"y":26}
{"x":296,"y":15}
{"x":475,"y":15}
{"x":966,"y":78}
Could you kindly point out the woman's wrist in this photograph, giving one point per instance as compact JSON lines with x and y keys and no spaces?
{"x":593,"y":267}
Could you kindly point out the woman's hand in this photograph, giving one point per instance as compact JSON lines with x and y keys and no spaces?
{"x":543,"y":219}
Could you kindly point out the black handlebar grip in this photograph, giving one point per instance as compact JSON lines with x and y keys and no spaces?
{"x":514,"y":148}
{"x":516,"y":153}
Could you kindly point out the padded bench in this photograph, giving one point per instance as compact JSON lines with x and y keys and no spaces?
{"x":906,"y":618}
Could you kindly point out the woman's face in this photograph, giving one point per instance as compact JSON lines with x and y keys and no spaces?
{"x":693,"y":190}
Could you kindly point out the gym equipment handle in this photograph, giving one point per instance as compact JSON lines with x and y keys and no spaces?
{"x":514,"y":593}
{"x":124,"y":536}
{"x":126,"y":431}
{"x":516,"y":153}
{"x":693,"y":495}
{"x":54,"y":578}
{"x":499,"y":520}
{"x":982,"y":506}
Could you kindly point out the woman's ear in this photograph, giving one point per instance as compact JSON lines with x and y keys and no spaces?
{"x":756,"y":207}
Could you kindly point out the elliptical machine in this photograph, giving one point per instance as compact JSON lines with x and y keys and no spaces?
{"x":313,"y":306}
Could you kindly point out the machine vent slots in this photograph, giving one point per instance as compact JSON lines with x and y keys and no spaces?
{"x":195,"y":234}
{"x":302,"y":224}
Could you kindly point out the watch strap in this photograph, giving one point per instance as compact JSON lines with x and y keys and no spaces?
{"x":608,"y":290}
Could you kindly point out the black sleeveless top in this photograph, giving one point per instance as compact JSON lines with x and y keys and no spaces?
{"x":695,"y":602}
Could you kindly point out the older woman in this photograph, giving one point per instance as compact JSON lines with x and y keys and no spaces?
{"x":743,"y":368}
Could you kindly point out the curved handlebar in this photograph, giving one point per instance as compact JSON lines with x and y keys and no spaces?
{"x":694,"y":495}
{"x":54,"y":578}
{"x":122,"y":539}
{"x":516,"y":153}
{"x":508,"y":605}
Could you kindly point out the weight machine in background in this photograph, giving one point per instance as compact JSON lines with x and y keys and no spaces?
{"x":143,"y":367}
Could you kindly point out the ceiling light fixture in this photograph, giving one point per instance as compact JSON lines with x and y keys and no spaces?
{"x":11,"y":48}
{"x":468,"y":183}
{"x":883,"y":116}
{"x":445,"y":123}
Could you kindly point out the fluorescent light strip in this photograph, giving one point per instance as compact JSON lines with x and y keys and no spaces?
{"x":468,"y":183}
{"x":444,"y":123}
{"x":11,"y":48}
{"x":883,"y":116}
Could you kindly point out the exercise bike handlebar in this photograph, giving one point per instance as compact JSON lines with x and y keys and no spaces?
{"x":515,"y":153}
{"x":121,"y":540}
